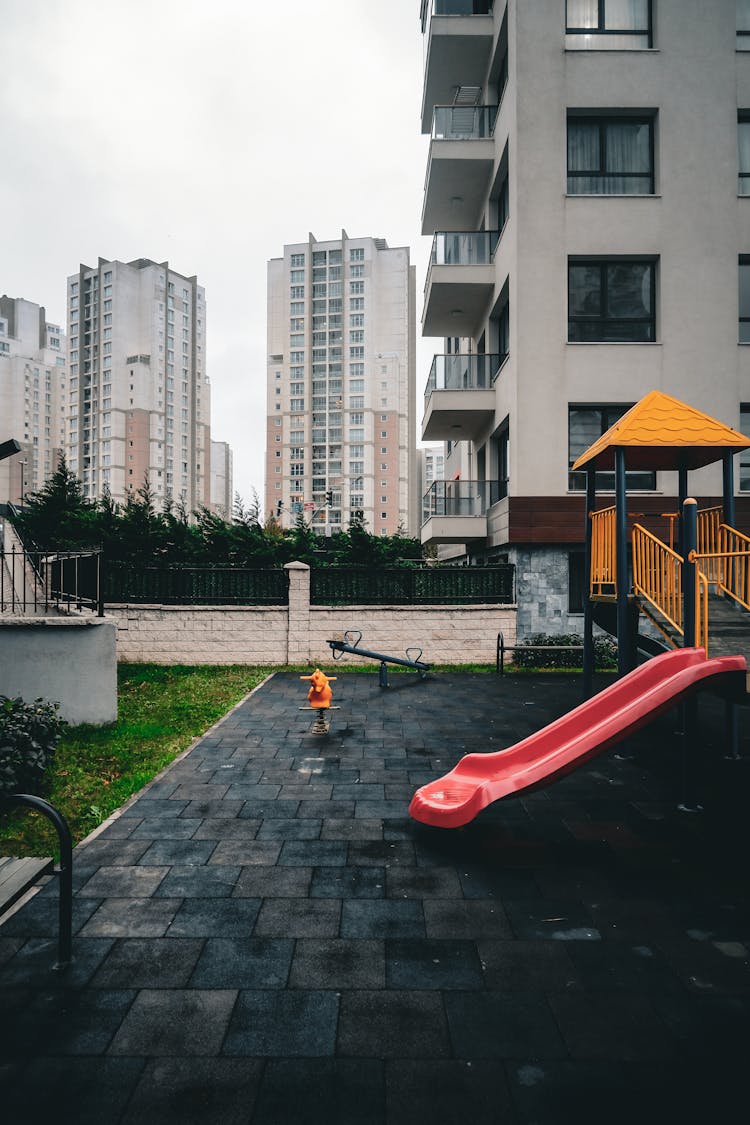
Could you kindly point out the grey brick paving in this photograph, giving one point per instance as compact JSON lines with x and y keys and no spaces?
{"x":264,"y":936}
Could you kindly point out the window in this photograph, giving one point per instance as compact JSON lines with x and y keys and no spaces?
{"x":611,"y":301}
{"x":743,"y":25}
{"x":297,"y":259}
{"x":743,"y":148}
{"x":745,"y":454}
{"x":357,"y":254}
{"x":610,"y":155}
{"x":608,"y":25}
{"x":587,"y":423}
{"x":744,"y":335}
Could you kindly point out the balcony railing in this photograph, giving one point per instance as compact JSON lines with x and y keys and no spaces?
{"x":463,"y":122}
{"x":462,"y":372}
{"x":464,"y":248}
{"x":453,"y":8}
{"x":462,"y":497}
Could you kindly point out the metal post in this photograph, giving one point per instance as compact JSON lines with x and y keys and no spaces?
{"x":728,"y":487}
{"x":682,"y":491}
{"x":624,"y":645}
{"x":690,"y":706}
{"x":689,"y":540}
{"x":588,"y":607}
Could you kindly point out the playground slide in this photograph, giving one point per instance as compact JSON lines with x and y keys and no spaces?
{"x":568,"y":742}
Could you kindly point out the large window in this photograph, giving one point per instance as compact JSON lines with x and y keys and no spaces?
{"x":743,"y":150}
{"x":586,"y":423}
{"x":743,"y":25}
{"x":608,"y":25}
{"x":745,"y":454}
{"x":744,"y":334}
{"x":611,"y":301}
{"x":610,"y":155}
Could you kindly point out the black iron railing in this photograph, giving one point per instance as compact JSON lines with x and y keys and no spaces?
{"x":178,"y":585}
{"x":413,"y":585}
{"x":38,"y":582}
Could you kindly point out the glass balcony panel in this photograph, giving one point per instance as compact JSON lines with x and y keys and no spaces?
{"x":462,"y":372}
{"x":462,"y":248}
{"x":454,"y":8}
{"x":462,"y":123}
{"x":462,"y":497}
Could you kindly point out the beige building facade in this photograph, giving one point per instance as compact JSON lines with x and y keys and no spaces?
{"x":587,"y":195}
{"x":340,"y":440}
{"x":139,"y":393}
{"x":33,"y":389}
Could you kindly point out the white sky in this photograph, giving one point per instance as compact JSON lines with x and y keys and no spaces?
{"x":207,"y":134}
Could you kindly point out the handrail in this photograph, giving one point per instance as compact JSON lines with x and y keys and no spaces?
{"x":603,"y":578}
{"x":729,"y":562}
{"x":657,"y":578}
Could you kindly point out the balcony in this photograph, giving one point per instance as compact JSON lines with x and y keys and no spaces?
{"x":455,"y":511}
{"x":458,"y":41}
{"x":459,"y":167}
{"x":459,"y":397}
{"x":460,"y":282}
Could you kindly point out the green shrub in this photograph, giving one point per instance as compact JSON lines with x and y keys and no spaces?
{"x":29,"y":733}
{"x":605,"y":652}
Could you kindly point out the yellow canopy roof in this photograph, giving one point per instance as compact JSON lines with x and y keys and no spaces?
{"x":661,"y":432}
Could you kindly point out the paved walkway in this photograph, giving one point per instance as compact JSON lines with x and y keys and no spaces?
{"x":264,"y":936}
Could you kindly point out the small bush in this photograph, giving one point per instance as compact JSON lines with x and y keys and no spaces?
{"x":605,"y":652}
{"x":29,"y":733}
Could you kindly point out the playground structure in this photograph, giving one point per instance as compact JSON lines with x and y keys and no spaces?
{"x":339,"y":647}
{"x":669,"y":586}
{"x":319,"y":699}
{"x":569,"y":742}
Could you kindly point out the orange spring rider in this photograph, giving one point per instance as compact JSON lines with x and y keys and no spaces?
{"x":320,"y":693}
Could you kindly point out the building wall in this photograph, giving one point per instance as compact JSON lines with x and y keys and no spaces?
{"x":340,"y":384}
{"x":222,"y":487}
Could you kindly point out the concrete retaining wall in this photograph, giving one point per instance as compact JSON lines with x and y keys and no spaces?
{"x":67,"y":660}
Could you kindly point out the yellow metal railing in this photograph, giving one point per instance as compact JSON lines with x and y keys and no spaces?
{"x":728,"y":562}
{"x":708,"y":538}
{"x":603,"y":578}
{"x":657,"y":579}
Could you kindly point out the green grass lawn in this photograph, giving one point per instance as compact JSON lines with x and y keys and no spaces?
{"x":161,"y":710}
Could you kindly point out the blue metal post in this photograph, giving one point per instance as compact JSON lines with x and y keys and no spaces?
{"x":588,"y":608}
{"x":624,"y":641}
{"x":728,"y":487}
{"x":690,"y":705}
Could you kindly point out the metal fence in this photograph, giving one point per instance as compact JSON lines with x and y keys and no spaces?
{"x":205,"y":585}
{"x":426,"y":585}
{"x":36,"y":583}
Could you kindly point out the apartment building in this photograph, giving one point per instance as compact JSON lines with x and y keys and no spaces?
{"x":431,"y":462}
{"x":587,"y":195}
{"x":139,"y":394}
{"x":340,"y":440}
{"x":33,"y":378}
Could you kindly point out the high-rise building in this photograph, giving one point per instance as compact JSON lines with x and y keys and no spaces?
{"x":431,"y":462}
{"x":222,"y":494}
{"x":33,"y":378}
{"x":588,"y":196}
{"x":340,"y":440}
{"x":139,"y":395}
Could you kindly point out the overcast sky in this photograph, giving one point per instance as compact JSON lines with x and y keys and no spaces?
{"x":207,"y":135}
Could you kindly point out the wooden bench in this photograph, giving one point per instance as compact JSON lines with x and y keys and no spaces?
{"x":17,"y":876}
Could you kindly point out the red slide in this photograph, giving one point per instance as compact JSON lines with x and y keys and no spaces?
{"x":557,"y":749}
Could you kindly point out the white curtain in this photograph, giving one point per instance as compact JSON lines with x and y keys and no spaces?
{"x":583,"y":13}
{"x":626,"y":15}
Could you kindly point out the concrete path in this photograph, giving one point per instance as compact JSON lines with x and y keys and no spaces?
{"x":264,"y":936}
